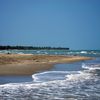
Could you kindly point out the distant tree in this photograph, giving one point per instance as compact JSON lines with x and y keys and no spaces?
{"x":31,"y":48}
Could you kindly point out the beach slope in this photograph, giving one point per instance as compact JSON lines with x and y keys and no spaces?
{"x":27,"y":64}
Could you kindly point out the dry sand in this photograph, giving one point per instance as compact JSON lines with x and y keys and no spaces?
{"x":27,"y":64}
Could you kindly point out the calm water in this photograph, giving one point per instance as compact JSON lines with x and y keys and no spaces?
{"x":75,"y":81}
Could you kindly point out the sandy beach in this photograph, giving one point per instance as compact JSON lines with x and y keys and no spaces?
{"x":27,"y":64}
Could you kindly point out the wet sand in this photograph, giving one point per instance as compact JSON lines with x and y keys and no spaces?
{"x":27,"y":64}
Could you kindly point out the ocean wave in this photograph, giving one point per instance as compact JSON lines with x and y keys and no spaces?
{"x":49,"y":76}
{"x":91,"y":66}
{"x":56,"y":85}
{"x":56,"y":52}
{"x":81,"y":76}
{"x":89,"y":72}
{"x":52,"y":90}
{"x":84,"y":52}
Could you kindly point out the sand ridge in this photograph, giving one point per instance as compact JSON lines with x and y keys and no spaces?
{"x":27,"y":64}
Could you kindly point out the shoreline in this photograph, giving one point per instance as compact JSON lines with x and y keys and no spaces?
{"x":28,"y":64}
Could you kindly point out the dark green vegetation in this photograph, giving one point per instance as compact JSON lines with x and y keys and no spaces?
{"x":31,"y":48}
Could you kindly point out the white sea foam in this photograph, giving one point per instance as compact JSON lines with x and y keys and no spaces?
{"x":91,"y":66}
{"x":63,"y":75}
{"x":49,"y":76}
{"x":46,"y":53}
{"x":84,"y":52}
{"x":87,"y":73}
{"x":55,"y":85}
{"x":38,"y":52}
{"x":20,"y":53}
{"x":80,"y":76}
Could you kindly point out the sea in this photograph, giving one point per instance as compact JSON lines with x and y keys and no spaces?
{"x":71,"y":81}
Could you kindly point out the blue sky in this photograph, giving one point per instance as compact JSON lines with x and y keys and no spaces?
{"x":65,"y":23}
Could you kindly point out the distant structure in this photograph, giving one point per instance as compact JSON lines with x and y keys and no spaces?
{"x":31,"y":48}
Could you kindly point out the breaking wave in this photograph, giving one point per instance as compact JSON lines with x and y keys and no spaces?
{"x":57,"y":85}
{"x":95,"y":53}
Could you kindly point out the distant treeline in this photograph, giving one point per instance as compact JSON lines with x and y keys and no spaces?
{"x":31,"y":48}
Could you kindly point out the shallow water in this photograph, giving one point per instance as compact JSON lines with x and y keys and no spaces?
{"x":15,"y":79}
{"x":75,"y":81}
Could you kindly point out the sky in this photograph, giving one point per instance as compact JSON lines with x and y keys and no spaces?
{"x":56,"y":23}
